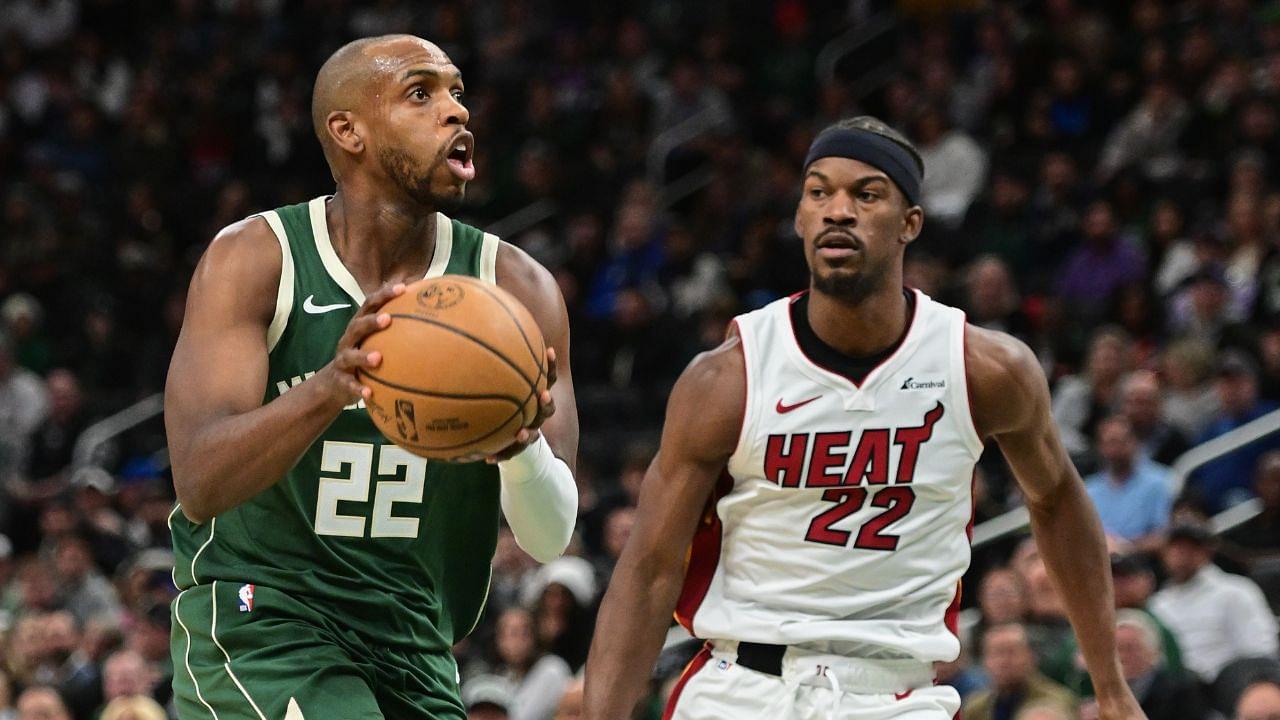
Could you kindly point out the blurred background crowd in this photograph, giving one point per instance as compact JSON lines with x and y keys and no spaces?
{"x":1102,"y":181}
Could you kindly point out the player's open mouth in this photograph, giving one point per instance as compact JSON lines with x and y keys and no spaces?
{"x":459,"y":157}
{"x":837,"y":245}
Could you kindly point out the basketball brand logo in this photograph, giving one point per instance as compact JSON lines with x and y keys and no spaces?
{"x":440,"y":296}
{"x":406,"y":425}
{"x":246,"y":598}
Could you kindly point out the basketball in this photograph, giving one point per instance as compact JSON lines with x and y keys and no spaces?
{"x":462,"y":368}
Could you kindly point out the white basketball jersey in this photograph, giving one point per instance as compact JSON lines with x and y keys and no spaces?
{"x":844,"y":517}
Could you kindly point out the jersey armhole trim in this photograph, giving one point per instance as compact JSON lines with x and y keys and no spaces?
{"x":284,"y":291}
{"x":489,"y":259}
{"x":744,"y":429}
{"x":444,"y":247}
{"x":961,"y":391}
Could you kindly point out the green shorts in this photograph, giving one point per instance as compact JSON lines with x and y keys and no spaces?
{"x":267,"y":656}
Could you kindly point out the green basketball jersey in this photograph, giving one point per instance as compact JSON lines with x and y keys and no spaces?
{"x":396,"y":548}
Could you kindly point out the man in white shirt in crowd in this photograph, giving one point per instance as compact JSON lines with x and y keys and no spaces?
{"x":1217,"y":617}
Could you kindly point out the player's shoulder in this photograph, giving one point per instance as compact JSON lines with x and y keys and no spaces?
{"x":245,"y":259}
{"x":707,"y":406}
{"x":248,"y":245}
{"x":1000,"y":367}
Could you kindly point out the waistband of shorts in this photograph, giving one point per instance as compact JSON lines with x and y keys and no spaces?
{"x":859,"y":675}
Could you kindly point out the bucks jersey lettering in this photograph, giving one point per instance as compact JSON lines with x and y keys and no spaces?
{"x":396,"y":548}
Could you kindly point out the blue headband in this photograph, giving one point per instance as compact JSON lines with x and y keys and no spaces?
{"x":876,"y":150}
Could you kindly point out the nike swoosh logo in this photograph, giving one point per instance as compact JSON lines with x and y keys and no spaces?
{"x":902,"y":696}
{"x":293,"y":712}
{"x":310,"y":306}
{"x":784,"y":409}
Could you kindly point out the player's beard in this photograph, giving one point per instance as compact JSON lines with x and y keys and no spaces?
{"x":852,"y":287}
{"x":407,"y":173}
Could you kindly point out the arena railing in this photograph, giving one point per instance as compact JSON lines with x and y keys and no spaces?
{"x":1018,"y":519}
{"x":89,"y":446}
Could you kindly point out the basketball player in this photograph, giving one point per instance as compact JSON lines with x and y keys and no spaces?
{"x":821,"y":460}
{"x":325,"y":573}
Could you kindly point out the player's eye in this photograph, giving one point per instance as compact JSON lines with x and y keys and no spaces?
{"x":418,"y":93}
{"x":817,"y":193}
{"x":457,"y":95}
{"x":868,"y":196}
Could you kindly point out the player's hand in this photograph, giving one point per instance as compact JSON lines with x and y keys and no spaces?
{"x":339,"y":376}
{"x":529,"y":434}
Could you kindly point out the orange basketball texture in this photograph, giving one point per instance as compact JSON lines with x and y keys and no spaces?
{"x":463,"y":363}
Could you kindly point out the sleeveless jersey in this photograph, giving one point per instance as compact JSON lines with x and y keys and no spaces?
{"x":842,"y":521}
{"x":392,"y":547}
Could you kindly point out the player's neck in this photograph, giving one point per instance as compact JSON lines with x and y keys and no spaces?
{"x":863,"y":328}
{"x":380,"y":240}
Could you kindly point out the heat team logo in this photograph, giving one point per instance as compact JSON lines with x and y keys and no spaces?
{"x":246,"y":598}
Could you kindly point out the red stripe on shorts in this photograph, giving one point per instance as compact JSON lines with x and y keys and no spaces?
{"x":690,"y":670}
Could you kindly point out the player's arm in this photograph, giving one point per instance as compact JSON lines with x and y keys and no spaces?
{"x":704,"y":418}
{"x":224,"y":444}
{"x":1063,"y":520}
{"x":539,"y":495}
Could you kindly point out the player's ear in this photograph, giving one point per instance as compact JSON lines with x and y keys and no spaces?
{"x":795,"y":224}
{"x":912,"y":224}
{"x":344,"y":132}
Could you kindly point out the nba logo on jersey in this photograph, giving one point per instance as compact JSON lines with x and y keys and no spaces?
{"x":246,"y":598}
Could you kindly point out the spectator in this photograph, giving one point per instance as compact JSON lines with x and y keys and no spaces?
{"x":1044,"y":711}
{"x":1002,"y":598}
{"x":1104,"y":261}
{"x":125,"y":674}
{"x":1142,"y":405}
{"x":1163,"y":694}
{"x":955,"y":167}
{"x":1015,"y":682}
{"x":992,"y":298}
{"x":488,"y":697}
{"x":1215,"y":616}
{"x":24,"y":404}
{"x":1258,"y":538}
{"x":538,"y":677}
{"x":138,"y":707}
{"x":7,"y":710}
{"x":563,"y":594}
{"x":1190,"y":402}
{"x":23,"y":315}
{"x":1148,"y":137}
{"x":1225,"y":481}
{"x":617,"y":528}
{"x":88,"y":594}
{"x":1131,"y":493}
{"x":1081,"y":401}
{"x":41,"y":703}
{"x":1259,"y":701}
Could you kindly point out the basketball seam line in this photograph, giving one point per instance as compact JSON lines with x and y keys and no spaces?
{"x":532,"y":383}
{"x":431,"y":393}
{"x":537,"y":360}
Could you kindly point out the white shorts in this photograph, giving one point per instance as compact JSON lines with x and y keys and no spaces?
{"x":812,"y":687}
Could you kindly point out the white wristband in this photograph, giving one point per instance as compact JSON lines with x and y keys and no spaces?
{"x":528,"y":463}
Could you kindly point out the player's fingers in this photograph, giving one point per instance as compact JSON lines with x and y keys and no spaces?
{"x":361,"y":327}
{"x":546,"y":408}
{"x":379,"y":298}
{"x":551,"y":367}
{"x":350,"y":359}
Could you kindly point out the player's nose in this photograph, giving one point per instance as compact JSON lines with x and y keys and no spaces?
{"x":456,"y":113}
{"x":840,"y":210}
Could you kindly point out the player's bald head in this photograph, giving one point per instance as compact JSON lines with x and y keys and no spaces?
{"x":352,"y":78}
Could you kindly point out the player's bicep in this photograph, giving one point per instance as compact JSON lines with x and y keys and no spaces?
{"x":219,"y":364}
{"x":1025,"y":430}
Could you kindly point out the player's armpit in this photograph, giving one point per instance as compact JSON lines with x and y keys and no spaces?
{"x":535,"y":287}
{"x":704,"y":419}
